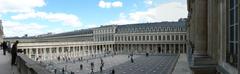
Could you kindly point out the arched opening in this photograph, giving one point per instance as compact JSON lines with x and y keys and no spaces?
{"x":159,"y":49}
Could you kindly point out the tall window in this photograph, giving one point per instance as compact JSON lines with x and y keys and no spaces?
{"x":147,"y":37}
{"x":177,"y":37}
{"x":143,"y":38}
{"x":135,"y":38}
{"x":173,"y":37}
{"x":140,"y":38}
{"x":164,"y":37}
{"x":168,"y":37}
{"x":159,"y":37}
{"x":233,"y":31}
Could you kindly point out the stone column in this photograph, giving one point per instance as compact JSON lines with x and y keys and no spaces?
{"x":36,"y":55}
{"x":160,"y":45}
{"x":174,"y":48}
{"x":30,"y":52}
{"x":184,"y":48}
{"x":202,"y":63}
{"x":92,"y":49}
{"x":74,"y":51}
{"x":179,"y":47}
{"x":57,"y":51}
{"x":87,"y":49}
{"x":50,"y":52}
{"x":44,"y":54}
{"x":165,"y":48}
{"x":83,"y":51}
{"x":169,"y":48}
{"x":200,"y":27}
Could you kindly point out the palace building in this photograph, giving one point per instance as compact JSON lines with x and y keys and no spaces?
{"x":157,"y":37}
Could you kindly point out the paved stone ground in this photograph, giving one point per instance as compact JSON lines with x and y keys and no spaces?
{"x":5,"y":64}
{"x":145,"y":65}
{"x":182,"y":66}
{"x":155,"y":64}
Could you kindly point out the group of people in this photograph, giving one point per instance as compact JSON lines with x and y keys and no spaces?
{"x":13,"y":50}
{"x":4,"y":47}
{"x":131,"y":57}
{"x":92,"y":65}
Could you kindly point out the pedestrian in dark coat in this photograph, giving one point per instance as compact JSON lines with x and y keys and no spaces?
{"x":113,"y":71}
{"x":14,"y":52}
{"x":4,"y":46}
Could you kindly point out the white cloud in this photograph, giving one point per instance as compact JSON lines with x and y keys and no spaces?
{"x":26,"y":9}
{"x":148,"y":2}
{"x":171,"y":11}
{"x":117,"y":4}
{"x":67,"y":19}
{"x":104,"y":4}
{"x":12,"y":28}
{"x":20,"y":5}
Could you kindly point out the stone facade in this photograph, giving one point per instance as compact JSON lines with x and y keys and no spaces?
{"x":159,"y":37}
{"x":213,"y":30}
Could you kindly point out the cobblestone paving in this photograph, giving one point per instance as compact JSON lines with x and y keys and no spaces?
{"x":154,"y":64}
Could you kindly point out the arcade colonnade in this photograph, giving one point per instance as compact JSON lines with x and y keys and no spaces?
{"x":50,"y":51}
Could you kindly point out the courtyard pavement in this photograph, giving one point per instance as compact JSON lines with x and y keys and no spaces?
{"x":153,"y":64}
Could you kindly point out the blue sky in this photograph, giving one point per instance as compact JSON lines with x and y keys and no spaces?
{"x":34,"y":17}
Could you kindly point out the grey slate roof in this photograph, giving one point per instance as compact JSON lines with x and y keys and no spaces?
{"x":77,"y":32}
{"x":150,"y":27}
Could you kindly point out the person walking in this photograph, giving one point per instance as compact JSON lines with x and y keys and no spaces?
{"x":55,"y":71}
{"x":81,"y":66}
{"x":14,"y":52}
{"x":4,"y":46}
{"x":113,"y":71}
{"x":102,"y":64}
{"x":63,"y":70}
{"x":92,"y":66}
{"x":132,"y":61}
{"x":101,"y":68}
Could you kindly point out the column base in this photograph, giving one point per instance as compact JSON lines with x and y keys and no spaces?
{"x":203,"y":64}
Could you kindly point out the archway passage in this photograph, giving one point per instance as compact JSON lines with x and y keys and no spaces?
{"x":159,"y":49}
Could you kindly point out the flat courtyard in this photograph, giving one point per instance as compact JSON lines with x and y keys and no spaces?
{"x":121,"y":64}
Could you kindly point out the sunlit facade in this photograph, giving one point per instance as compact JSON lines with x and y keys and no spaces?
{"x":159,"y":37}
